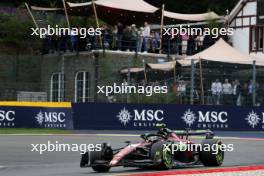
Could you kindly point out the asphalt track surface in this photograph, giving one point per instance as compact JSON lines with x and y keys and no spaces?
{"x":17,"y":159}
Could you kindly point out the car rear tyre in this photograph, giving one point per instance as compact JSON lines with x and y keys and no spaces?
{"x":101,"y":168}
{"x":162,"y":156}
{"x":214,"y":156}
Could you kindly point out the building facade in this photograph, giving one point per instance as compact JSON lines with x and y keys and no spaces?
{"x":247,"y":19}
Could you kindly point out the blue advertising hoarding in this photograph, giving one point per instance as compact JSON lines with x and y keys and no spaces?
{"x":35,"y":117}
{"x":105,"y":116}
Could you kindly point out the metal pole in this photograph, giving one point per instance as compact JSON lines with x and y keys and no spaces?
{"x":66,"y":13}
{"x":161,"y":26}
{"x":128,"y":78}
{"x":201,"y":81}
{"x":62,"y":79}
{"x":174,"y":72}
{"x":96,"y":65}
{"x":31,"y":15}
{"x":192,"y":82}
{"x":169,"y":49}
{"x":97,"y":22}
{"x":254,"y":84}
{"x":145,"y":74}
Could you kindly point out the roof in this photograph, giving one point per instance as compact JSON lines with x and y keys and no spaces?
{"x":236,"y":10}
{"x":45,"y":8}
{"x":223,"y":52}
{"x":131,"y":70}
{"x":135,"y":5}
{"x":191,"y":17}
{"x":166,"y":66}
{"x":113,"y":11}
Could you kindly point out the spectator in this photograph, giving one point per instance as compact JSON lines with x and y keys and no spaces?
{"x":244,"y":91}
{"x":106,"y":36}
{"x":216,"y":89}
{"x":134,"y":37}
{"x":120,"y":31}
{"x":190,"y":45}
{"x":140,"y":39}
{"x":74,"y":41}
{"x":181,"y":89}
{"x":185,"y":39}
{"x":126,"y":43}
{"x":236,"y":93}
{"x":114,"y":38}
{"x":176,"y":42}
{"x":200,"y":40}
{"x":154,"y":41}
{"x":227,"y":92}
{"x":249,"y":93}
{"x":146,"y":35}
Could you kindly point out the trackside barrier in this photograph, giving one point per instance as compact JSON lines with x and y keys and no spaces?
{"x":102,"y":116}
{"x":35,"y":115}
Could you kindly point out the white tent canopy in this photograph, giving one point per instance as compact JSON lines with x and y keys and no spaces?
{"x":130,"y":5}
{"x":191,"y":17}
{"x":131,"y":70}
{"x":45,"y":8}
{"x":83,"y":4}
{"x":166,"y":66}
{"x":223,"y":52}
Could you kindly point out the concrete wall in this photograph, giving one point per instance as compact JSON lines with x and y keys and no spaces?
{"x":108,"y":68}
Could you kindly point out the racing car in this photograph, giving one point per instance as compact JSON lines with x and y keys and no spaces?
{"x":158,"y":151}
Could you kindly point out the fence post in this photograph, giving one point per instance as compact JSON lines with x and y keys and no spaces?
{"x":128,"y":78}
{"x":96,"y":65}
{"x":192,"y":82}
{"x":169,"y":49}
{"x":137,"y":46}
{"x":254,"y":84}
{"x":103,"y":45}
{"x":62,"y":91}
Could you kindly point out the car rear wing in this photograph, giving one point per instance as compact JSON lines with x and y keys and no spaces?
{"x":188,"y":132}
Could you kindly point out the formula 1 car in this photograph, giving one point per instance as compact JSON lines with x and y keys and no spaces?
{"x":163,"y":150}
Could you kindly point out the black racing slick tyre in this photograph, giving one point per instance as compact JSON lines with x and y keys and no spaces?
{"x":211,"y":153}
{"x":98,"y":158}
{"x":162,"y":156}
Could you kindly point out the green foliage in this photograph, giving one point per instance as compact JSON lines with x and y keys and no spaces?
{"x":15,"y":31}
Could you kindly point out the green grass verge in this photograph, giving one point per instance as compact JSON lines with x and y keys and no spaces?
{"x":33,"y":131}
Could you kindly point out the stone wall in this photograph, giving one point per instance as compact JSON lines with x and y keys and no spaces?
{"x":109,"y":65}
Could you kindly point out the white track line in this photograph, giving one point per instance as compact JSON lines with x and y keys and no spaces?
{"x":130,"y":135}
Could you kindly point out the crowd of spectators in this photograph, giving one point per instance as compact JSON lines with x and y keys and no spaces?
{"x":128,"y":38}
{"x":235,"y":93}
{"x":226,"y":93}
